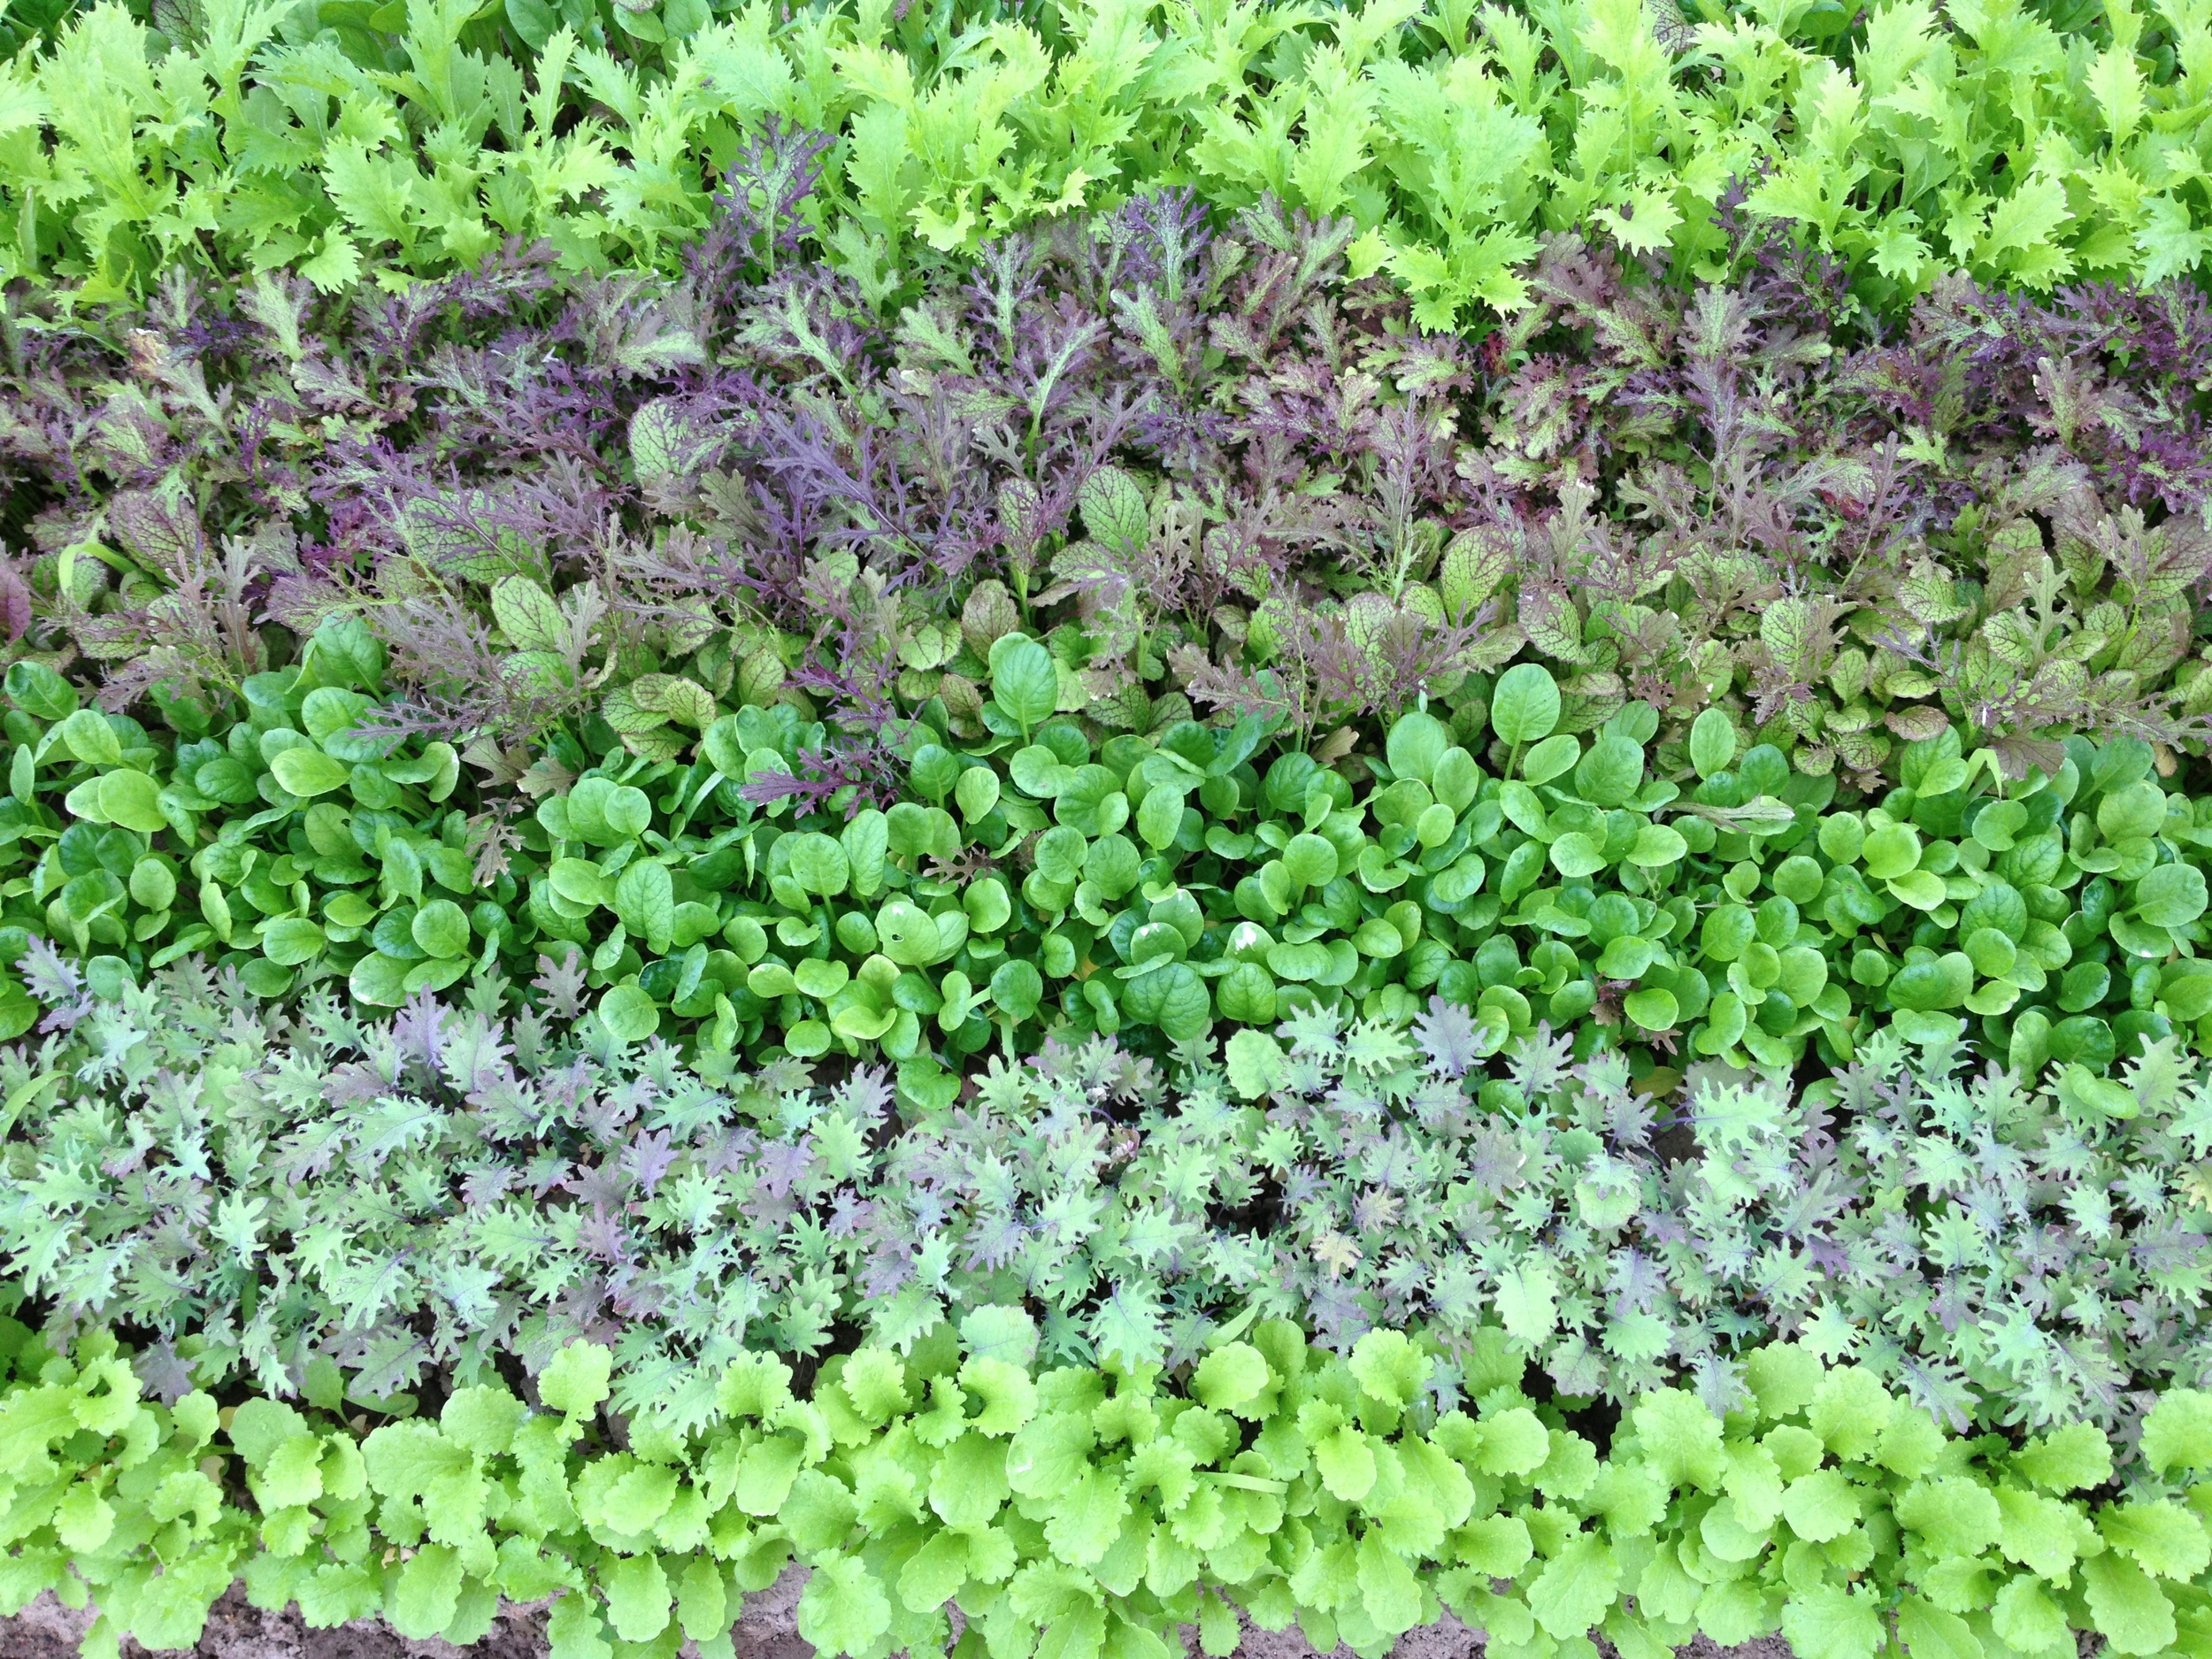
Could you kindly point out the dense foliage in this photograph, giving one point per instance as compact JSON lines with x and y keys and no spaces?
{"x":1155,"y":885}
{"x":404,"y":141}
{"x":1074,"y":1512}
{"x":1208,"y":472}
{"x":1299,"y":964}
{"x":416,"y":1197}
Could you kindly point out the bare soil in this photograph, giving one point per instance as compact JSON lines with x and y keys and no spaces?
{"x":767,"y":1630}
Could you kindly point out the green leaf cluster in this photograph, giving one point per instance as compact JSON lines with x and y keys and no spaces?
{"x":423,"y":1192}
{"x":1705,"y":897}
{"x":1088,"y":1513}
{"x":282,"y":843}
{"x":401,"y":140}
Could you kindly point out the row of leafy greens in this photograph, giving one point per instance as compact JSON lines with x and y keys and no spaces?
{"x":391,"y":141}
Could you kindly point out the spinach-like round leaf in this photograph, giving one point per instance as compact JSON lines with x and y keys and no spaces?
{"x":629,"y":812}
{"x":132,"y":800}
{"x":1712,"y":742}
{"x":935,"y":772}
{"x":1611,"y":772}
{"x":1246,"y":995}
{"x":307,"y":772}
{"x":628,"y":1013}
{"x":379,"y":980}
{"x":2170,"y":895}
{"x":1018,"y":988}
{"x":1111,"y":865}
{"x":1309,"y":860}
{"x":978,"y":790}
{"x":818,"y":863}
{"x":1525,"y":707}
{"x":1550,"y":758}
{"x":292,"y":939}
{"x":1416,"y":743}
{"x":442,"y":928}
{"x":1024,"y":684}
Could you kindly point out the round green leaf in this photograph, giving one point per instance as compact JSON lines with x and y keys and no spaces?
{"x":2187,"y":989}
{"x":91,"y":739}
{"x":1525,"y":707}
{"x":379,"y":980}
{"x":581,"y":881}
{"x":1061,"y":854}
{"x":818,"y":863}
{"x":1550,"y":758}
{"x":1999,"y":906}
{"x":1842,"y":837}
{"x":987,"y":905}
{"x":153,"y":884}
{"x":820,"y":980}
{"x":935,"y":772}
{"x":1611,"y":772}
{"x":978,"y":790}
{"x":307,"y":772}
{"x":628,"y":812}
{"x":1246,"y":995}
{"x":1023,"y":682}
{"x":1414,"y":745}
{"x":1576,"y":854}
{"x":1991,"y":952}
{"x":1092,"y":802}
{"x":1298,"y":963}
{"x":1890,"y":851}
{"x":628,"y":1013}
{"x":907,"y":934}
{"x":1309,"y":861}
{"x":645,"y":899}
{"x":1712,"y":742}
{"x":1376,"y":937}
{"x":1919,"y":988}
{"x":1653,"y":1008}
{"x":292,"y":939}
{"x":1998,"y":824}
{"x":1461,"y":881}
{"x":133,"y":800}
{"x":38,"y":690}
{"x":1018,"y":988}
{"x":1160,"y":816}
{"x":2170,"y":895}
{"x":1657,"y":846}
{"x":1174,"y":999}
{"x":1037,"y":772}
{"x":1456,"y":780}
{"x":1727,"y":931}
{"x":1921,"y":889}
{"x":2128,"y":814}
{"x":1111,"y":865}
{"x":442,"y":928}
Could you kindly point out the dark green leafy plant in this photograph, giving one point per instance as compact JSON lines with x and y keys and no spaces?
{"x":1704,"y":900}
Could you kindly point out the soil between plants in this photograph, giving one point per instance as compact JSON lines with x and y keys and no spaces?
{"x":768,"y":1629}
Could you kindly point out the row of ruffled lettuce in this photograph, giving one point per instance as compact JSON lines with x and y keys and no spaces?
{"x":2028,"y":144}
